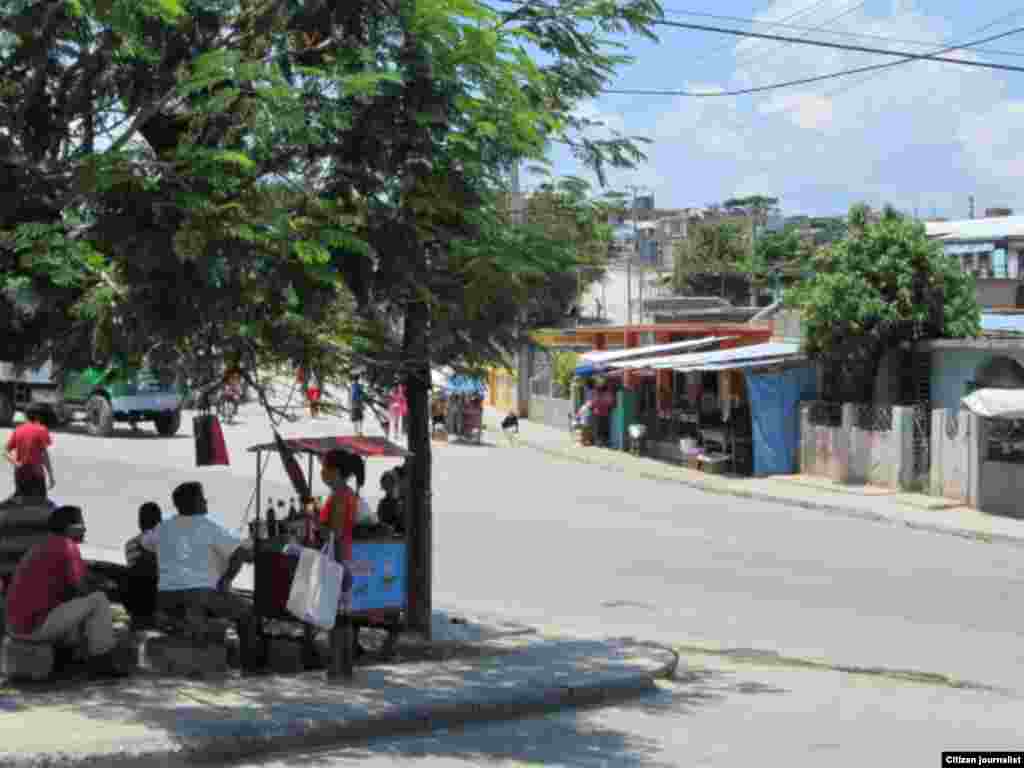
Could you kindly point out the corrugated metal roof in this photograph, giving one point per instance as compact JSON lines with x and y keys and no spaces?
{"x":977,"y":229}
{"x":619,"y":354}
{"x":1002,"y":323}
{"x":764,"y":363}
{"x":769,"y":350}
{"x":750,"y":352}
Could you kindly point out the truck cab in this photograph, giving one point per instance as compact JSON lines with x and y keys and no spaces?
{"x":99,"y":397}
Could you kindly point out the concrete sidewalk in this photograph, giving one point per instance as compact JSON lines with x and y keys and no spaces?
{"x":495,"y":671}
{"x":913,"y":510}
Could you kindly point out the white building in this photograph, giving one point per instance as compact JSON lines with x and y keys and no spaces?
{"x":992,"y":249}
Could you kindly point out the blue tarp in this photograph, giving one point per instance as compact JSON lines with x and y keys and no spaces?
{"x":464,"y":385}
{"x":775,"y":417}
{"x":589,"y":369}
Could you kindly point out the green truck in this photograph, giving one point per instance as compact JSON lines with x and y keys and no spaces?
{"x":99,"y":397}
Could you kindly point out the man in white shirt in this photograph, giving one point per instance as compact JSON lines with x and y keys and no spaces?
{"x":191,"y":551}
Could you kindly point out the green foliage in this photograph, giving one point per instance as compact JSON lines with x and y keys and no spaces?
{"x":884,"y":284}
{"x":714,"y":247}
{"x":563,"y":368}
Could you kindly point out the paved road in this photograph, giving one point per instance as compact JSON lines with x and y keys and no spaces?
{"x":719,"y":718}
{"x":569,"y":545}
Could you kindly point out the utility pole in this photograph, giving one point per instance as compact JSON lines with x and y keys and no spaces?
{"x":970,"y":204}
{"x":629,"y":264}
{"x":753,"y":251}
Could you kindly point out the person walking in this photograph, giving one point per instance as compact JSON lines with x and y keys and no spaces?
{"x":357,"y":399}
{"x":397,"y":410}
{"x":313,"y":392}
{"x":28,"y":452}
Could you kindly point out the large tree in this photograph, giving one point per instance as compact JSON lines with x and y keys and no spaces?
{"x":884,"y":284}
{"x":711,"y":259}
{"x":317,"y":181}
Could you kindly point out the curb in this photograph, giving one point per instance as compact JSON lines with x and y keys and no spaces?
{"x":328,"y":735}
{"x":250,"y":742}
{"x":852,"y":512}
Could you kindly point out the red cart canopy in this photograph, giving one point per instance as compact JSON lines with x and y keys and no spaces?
{"x":367,"y":447}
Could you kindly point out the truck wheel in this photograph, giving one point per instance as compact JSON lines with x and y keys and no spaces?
{"x":99,"y":418}
{"x":62,"y":415}
{"x":6,"y":410}
{"x":167,"y":424}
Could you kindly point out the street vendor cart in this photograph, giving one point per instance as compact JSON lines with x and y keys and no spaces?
{"x":379,"y":595}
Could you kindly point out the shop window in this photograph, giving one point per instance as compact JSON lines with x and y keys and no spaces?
{"x":1006,"y":440}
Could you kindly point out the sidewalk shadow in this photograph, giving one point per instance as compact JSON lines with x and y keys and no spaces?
{"x":581,"y":738}
{"x":191,"y":713}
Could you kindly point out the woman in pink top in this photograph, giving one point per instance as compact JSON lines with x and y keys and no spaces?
{"x":397,"y":409}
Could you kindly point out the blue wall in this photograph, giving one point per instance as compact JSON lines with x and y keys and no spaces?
{"x":953,"y":368}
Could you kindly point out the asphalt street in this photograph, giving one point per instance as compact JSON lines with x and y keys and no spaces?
{"x":578,"y":548}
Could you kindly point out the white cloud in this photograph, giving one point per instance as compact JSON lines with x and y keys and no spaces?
{"x":922,"y":132}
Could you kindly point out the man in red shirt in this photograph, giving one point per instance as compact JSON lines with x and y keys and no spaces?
{"x":50,"y":599}
{"x":27,"y":451}
{"x":604,"y":404}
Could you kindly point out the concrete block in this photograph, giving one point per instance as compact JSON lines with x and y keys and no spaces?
{"x":285,"y":656}
{"x":27,"y":661}
{"x":184,"y":657}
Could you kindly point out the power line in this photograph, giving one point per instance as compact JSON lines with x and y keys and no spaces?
{"x":854,"y":48}
{"x":905,"y":58}
{"x":744,"y":63}
{"x":848,"y":86}
{"x":728,"y":46}
{"x":836,"y":32}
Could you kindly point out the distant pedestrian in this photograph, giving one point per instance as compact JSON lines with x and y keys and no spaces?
{"x":313,"y":392}
{"x":397,"y":410}
{"x":28,"y":451}
{"x":603,"y":404}
{"x":357,"y":400}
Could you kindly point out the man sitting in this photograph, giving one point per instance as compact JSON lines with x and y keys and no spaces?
{"x":189,"y":548}
{"x":52,"y":598}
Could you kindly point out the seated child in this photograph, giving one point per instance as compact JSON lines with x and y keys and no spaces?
{"x":389,"y":508}
{"x":139,"y":585}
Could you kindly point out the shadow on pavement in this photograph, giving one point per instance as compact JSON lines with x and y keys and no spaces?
{"x":569,"y":738}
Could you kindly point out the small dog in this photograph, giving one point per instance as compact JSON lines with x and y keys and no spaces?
{"x":510,"y":422}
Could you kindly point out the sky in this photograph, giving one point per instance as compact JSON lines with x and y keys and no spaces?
{"x":922,"y":136}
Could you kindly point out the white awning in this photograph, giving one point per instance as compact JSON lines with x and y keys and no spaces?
{"x":996,"y":403}
{"x":649,"y":352}
{"x":761,"y":363}
{"x":957,"y":249}
{"x":731,"y":358}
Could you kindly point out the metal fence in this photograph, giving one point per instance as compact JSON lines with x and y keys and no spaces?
{"x":826,"y":414}
{"x":873,"y":418}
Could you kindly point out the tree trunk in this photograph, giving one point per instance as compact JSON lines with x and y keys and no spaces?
{"x":416,"y":345}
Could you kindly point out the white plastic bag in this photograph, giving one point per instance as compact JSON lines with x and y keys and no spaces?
{"x":316,"y":588}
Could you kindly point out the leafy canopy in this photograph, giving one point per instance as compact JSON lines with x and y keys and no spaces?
{"x":885,"y":283}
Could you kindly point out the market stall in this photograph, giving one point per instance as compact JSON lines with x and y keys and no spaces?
{"x":379,"y":595}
